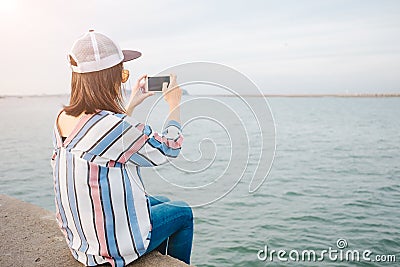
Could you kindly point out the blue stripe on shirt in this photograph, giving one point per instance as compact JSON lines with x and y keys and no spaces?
{"x":147,"y":130}
{"x":133,"y":223}
{"x":73,"y":201}
{"x":120,"y":115}
{"x":140,"y":160}
{"x":88,"y":157}
{"x":109,"y":138}
{"x":163,"y":148}
{"x":91,"y":261}
{"x":59,"y":204}
{"x":96,"y":117}
{"x":172,"y":123}
{"x":109,"y":217}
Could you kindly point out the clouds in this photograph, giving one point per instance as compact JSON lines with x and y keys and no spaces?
{"x":284,"y":46}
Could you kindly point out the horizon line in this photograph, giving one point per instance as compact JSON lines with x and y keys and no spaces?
{"x":246,"y":95}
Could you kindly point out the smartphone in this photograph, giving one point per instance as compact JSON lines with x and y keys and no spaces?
{"x":155,"y":83}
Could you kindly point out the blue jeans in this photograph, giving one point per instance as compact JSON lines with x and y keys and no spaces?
{"x":172,"y":228}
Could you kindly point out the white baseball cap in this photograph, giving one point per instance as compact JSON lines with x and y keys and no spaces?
{"x":95,"y":51}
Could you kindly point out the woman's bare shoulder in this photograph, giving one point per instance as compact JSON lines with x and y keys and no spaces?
{"x":67,"y":123}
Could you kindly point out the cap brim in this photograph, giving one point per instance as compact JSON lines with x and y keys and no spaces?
{"x":130,"y":55}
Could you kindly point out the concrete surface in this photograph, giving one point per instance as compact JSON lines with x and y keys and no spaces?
{"x":29,"y":236}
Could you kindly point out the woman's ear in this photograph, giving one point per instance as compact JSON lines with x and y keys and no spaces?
{"x":125,"y":75}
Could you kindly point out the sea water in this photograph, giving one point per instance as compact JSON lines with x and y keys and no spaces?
{"x":335,"y":175}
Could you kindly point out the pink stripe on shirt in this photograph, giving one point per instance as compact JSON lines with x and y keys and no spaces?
{"x":140,"y":127}
{"x":169,"y":142}
{"x":133,"y":149}
{"x":98,"y":211}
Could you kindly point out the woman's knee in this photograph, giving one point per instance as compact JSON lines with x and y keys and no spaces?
{"x":185,"y":209}
{"x":162,"y":199}
{"x":156,"y":200}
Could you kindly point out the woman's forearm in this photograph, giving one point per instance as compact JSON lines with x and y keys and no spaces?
{"x":129,"y":110}
{"x":174,"y":113}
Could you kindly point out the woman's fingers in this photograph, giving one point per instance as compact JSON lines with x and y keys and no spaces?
{"x":164,"y":87}
{"x":136,"y":88}
{"x":146,"y":95}
{"x":172,"y":94}
{"x":172,"y":82}
{"x":140,"y":82}
{"x":142,"y":77}
{"x":171,"y":85}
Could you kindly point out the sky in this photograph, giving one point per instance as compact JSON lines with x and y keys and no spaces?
{"x":284,"y":47}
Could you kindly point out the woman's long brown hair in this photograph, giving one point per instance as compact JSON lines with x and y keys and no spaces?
{"x":99,"y":90}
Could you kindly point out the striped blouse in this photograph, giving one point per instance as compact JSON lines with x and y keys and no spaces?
{"x":101,"y":205}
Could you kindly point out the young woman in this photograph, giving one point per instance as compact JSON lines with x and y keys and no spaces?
{"x":101,"y":205}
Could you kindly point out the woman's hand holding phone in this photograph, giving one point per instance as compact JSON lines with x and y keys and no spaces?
{"x":172,"y":94}
{"x":138,"y":94}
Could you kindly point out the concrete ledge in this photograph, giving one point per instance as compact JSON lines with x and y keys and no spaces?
{"x":29,"y":236}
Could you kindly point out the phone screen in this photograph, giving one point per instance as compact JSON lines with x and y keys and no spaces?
{"x":155,"y":83}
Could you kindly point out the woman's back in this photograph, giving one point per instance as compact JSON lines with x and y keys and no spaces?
{"x":101,"y":203}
